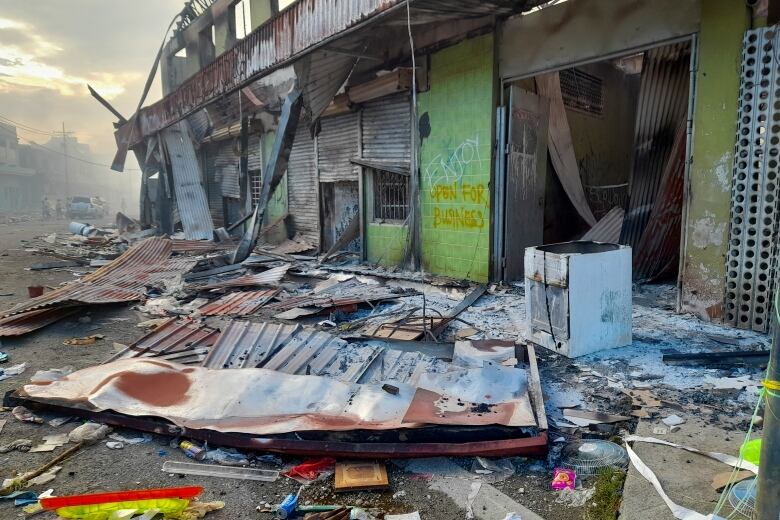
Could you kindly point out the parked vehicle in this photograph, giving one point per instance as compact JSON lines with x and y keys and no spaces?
{"x":86,"y":207}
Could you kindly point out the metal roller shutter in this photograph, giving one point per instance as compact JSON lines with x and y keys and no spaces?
{"x":337,"y":143}
{"x":302,"y":186}
{"x":386,"y":130}
{"x":212,"y":185}
{"x":228,"y":165}
{"x":255,"y":156}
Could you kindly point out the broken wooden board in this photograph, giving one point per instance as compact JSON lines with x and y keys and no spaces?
{"x":643,"y":398}
{"x":721,"y":480}
{"x":353,"y":476}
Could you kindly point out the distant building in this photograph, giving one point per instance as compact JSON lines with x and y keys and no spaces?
{"x":20,"y":187}
{"x":56,"y":169}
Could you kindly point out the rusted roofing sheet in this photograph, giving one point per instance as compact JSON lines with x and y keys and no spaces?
{"x":239,"y":303}
{"x":123,"y":280}
{"x":198,"y":246}
{"x":264,"y":401}
{"x":657,"y":252}
{"x":269,"y":277}
{"x":179,"y":340}
{"x":326,"y":301}
{"x":191,"y":200}
{"x":24,"y":323}
{"x":302,"y":27}
{"x":296,"y":29}
{"x":608,"y":228}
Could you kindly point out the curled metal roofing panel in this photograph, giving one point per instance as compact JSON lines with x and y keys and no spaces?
{"x":239,"y":303}
{"x":123,"y":280}
{"x":181,"y":340}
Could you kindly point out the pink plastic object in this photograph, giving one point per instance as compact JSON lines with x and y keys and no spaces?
{"x":563,"y":479}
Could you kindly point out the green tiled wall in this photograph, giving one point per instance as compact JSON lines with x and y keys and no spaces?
{"x":455,"y":160}
{"x":277,"y":206}
{"x":385,"y":243}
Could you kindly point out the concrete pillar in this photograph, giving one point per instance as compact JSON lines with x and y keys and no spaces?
{"x":206,"y":46}
{"x":224,"y":29}
{"x":703,"y":274}
{"x":193,"y":55}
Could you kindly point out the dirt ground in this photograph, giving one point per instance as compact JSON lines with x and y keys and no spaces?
{"x":98,"y":468}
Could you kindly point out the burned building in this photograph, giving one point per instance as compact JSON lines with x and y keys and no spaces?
{"x":450,"y":136}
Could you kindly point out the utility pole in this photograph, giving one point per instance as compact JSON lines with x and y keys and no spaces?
{"x":768,"y":497}
{"x":65,"y":152}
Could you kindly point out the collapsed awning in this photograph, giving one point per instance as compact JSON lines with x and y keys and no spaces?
{"x":263,"y":401}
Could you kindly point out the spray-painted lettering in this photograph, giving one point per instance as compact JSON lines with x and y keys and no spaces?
{"x":474,"y":193}
{"x":446,"y":169}
{"x":458,"y":218}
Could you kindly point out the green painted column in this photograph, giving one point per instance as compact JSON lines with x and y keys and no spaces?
{"x":703,"y":276}
{"x":456,"y":159}
{"x":277,"y":204}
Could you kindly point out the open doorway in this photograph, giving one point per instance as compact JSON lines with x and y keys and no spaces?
{"x":596,"y":152}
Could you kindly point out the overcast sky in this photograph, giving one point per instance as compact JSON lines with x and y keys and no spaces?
{"x":50,"y":50}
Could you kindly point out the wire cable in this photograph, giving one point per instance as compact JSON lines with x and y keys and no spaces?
{"x":33,"y":143}
{"x":26,"y":127}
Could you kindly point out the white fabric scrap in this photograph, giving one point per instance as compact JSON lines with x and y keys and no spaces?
{"x":732,"y":461}
{"x":673,"y":420}
{"x":679,"y":512}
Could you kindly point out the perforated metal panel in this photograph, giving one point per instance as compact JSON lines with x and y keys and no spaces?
{"x":754,"y":213}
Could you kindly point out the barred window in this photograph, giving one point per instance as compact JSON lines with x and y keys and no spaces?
{"x":391,"y":195}
{"x":257,"y":184}
{"x":582,"y":91}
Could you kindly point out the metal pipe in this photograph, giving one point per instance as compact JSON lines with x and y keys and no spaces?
{"x":768,"y":497}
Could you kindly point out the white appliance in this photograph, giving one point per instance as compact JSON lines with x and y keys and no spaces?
{"x":578,"y":296}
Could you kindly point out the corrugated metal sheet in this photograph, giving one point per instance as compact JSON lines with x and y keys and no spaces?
{"x":297,"y":244}
{"x":337,"y":142}
{"x":286,"y":36}
{"x":322,"y":74}
{"x":245,"y":344}
{"x":292,"y":349}
{"x":200,"y":124}
{"x":303,"y":188}
{"x":179,"y":340}
{"x":239,"y":303}
{"x":663,"y":101}
{"x":198,"y":246}
{"x":123,"y":280}
{"x":658,"y":251}
{"x":386,"y":131}
{"x":227,"y":169}
{"x":191,"y":198}
{"x":608,"y":228}
{"x":270,"y":277}
{"x":362,"y":294}
{"x":311,"y":352}
{"x":263,"y":402}
{"x":26,"y":322}
{"x":289,"y":35}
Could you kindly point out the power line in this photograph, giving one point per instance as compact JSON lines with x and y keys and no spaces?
{"x":26,"y":127}
{"x":33,"y":143}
